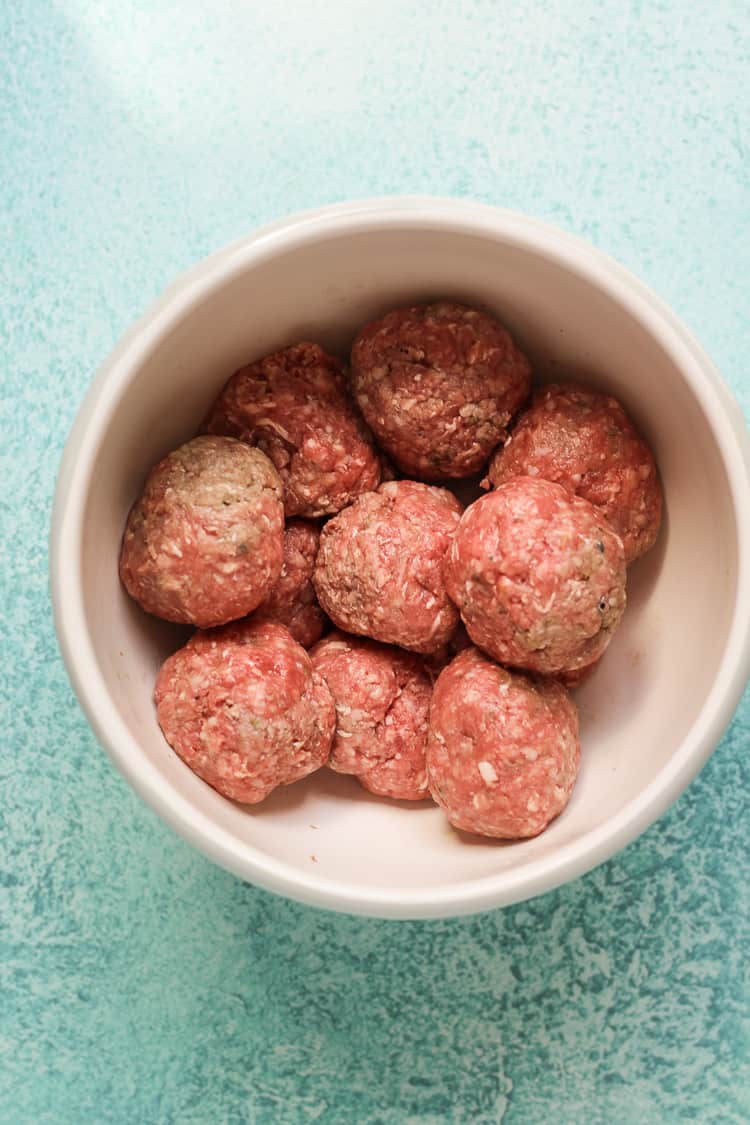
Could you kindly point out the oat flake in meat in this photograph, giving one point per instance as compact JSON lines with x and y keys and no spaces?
{"x":379,"y":567}
{"x":503,"y":751}
{"x":244,"y":709}
{"x":203,"y":544}
{"x":294,"y":405}
{"x":538,"y":575}
{"x":292,"y":601}
{"x":438,"y":385}
{"x":382,"y":698}
{"x":584,"y":440}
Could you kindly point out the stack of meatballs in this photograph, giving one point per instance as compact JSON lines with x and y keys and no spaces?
{"x":350,"y":613}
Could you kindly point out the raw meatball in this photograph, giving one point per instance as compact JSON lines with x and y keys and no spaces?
{"x":438,"y":385}
{"x":292,"y":601}
{"x":244,"y":709}
{"x":585,"y":441}
{"x":503,"y":750}
{"x":382,"y":698}
{"x":294,"y":406}
{"x":204,"y":543}
{"x":539,"y":576}
{"x":379,"y":568}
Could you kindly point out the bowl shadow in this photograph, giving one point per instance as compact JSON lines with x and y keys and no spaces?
{"x":324,"y":784}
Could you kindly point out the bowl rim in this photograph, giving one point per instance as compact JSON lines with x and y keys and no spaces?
{"x":78,"y":464}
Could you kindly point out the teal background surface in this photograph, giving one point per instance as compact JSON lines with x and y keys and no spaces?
{"x":139,"y":982}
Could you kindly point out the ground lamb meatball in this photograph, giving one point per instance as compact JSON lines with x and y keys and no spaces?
{"x":503,"y":751}
{"x":294,"y":406}
{"x":204,"y":543}
{"x":292,"y":601}
{"x":382,"y":698}
{"x":539,"y":576}
{"x":438,"y":385}
{"x":585,"y":441}
{"x":244,"y":709}
{"x":379,"y":567}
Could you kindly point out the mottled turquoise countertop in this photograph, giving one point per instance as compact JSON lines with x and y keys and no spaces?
{"x":139,"y":982}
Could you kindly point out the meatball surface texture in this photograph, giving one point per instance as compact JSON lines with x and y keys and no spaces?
{"x":244,"y":709}
{"x":379,"y":568}
{"x":438,"y":385}
{"x":292,"y":601}
{"x":503,"y":751}
{"x":538,"y":575}
{"x":295,"y":406}
{"x":204,"y":543}
{"x":382,"y":698}
{"x":585,"y":441}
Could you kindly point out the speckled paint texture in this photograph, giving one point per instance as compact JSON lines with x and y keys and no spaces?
{"x":138,"y":982}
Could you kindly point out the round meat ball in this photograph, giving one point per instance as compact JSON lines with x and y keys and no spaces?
{"x":585,"y":441}
{"x":539,"y":576}
{"x":503,"y":751}
{"x":438,"y":385}
{"x":204,"y":543}
{"x":382,"y":698}
{"x":244,"y":709}
{"x":379,"y":567}
{"x":294,"y":405}
{"x":292,"y":601}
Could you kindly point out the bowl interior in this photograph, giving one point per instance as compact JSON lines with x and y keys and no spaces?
{"x":652,"y":683}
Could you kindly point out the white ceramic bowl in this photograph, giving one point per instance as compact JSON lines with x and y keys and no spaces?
{"x":652,"y":713}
